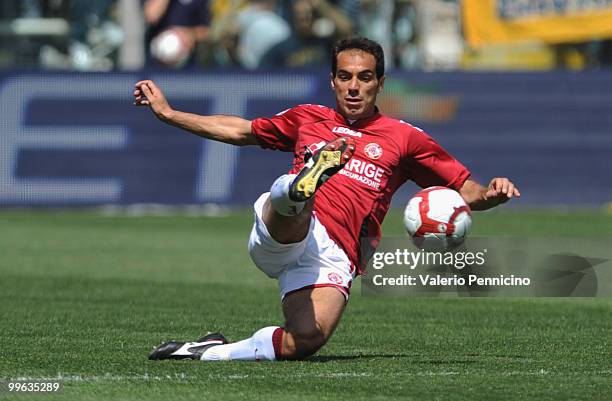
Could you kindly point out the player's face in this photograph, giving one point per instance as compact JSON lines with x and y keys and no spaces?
{"x":355,"y":84}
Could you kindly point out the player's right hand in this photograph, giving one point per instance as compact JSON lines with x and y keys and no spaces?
{"x":147,"y":93}
{"x":501,"y":190}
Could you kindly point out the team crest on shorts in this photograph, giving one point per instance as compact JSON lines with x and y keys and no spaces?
{"x":373,"y":150}
{"x":334,"y":278}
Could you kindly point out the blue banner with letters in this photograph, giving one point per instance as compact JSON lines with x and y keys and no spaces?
{"x":74,"y":139}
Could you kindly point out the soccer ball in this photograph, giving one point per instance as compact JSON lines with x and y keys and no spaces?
{"x":437,"y":218}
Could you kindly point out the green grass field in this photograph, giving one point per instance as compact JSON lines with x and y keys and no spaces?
{"x":84,"y":298}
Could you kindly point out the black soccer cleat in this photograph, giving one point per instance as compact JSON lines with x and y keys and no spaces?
{"x":187,"y":350}
{"x":319,"y":168}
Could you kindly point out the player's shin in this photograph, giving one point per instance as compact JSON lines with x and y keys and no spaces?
{"x":264,"y":345}
{"x":279,"y":197}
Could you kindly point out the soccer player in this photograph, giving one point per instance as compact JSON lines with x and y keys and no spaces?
{"x":349,"y":161}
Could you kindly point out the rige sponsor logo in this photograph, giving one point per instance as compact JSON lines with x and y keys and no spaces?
{"x":364,"y":172}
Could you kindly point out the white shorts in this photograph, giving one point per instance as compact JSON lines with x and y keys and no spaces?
{"x":314,"y":262}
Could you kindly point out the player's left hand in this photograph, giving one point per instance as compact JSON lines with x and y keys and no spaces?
{"x":502,"y":190}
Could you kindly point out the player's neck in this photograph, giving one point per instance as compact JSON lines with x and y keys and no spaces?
{"x":352,"y":120}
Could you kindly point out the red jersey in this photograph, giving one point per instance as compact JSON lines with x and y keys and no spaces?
{"x":352,"y":204}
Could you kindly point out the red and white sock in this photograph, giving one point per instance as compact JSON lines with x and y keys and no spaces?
{"x":264,"y":345}
{"x":279,"y":196}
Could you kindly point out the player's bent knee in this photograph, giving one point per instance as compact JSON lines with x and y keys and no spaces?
{"x":304,"y":342}
{"x":311,"y":317}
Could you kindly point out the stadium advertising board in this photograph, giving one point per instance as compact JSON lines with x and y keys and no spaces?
{"x":551,"y":21}
{"x":76,"y":140}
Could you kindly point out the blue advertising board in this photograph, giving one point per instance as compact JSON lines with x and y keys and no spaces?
{"x":74,"y":139}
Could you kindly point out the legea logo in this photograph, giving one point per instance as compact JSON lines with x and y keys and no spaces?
{"x":347,"y":131}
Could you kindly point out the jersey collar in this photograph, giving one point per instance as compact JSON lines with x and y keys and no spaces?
{"x":340,"y":118}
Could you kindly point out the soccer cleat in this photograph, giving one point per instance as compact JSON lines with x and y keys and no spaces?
{"x":187,"y":350}
{"x":319,"y":168}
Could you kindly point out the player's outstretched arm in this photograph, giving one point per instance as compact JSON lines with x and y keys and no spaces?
{"x":500,"y":190}
{"x":228,"y":129}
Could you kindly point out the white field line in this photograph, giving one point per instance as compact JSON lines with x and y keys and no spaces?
{"x":108,"y":377}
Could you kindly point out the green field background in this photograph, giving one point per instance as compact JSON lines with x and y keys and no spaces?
{"x":84,"y":297}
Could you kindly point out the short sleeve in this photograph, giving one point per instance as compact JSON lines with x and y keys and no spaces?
{"x":428,"y":164}
{"x":281,"y":131}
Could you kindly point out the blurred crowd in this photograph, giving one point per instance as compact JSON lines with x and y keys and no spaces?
{"x":102,"y":35}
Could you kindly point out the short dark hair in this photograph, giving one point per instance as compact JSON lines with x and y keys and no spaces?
{"x":365,"y":44}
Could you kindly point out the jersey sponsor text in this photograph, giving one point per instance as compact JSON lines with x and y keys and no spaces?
{"x":364,"y":172}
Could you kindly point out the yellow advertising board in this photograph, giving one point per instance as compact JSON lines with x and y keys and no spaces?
{"x":489,"y":22}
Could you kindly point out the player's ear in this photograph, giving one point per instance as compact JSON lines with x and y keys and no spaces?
{"x":381,"y":84}
{"x":331,"y":81}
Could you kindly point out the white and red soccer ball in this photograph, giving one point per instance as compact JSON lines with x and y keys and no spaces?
{"x":437,"y":218}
